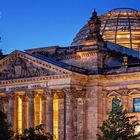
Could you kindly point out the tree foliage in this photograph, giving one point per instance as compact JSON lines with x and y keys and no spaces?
{"x":118,"y":126}
{"x":6,"y":132}
{"x":36,"y":133}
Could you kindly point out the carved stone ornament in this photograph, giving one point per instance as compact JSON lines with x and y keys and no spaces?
{"x":20,"y":68}
{"x":80,"y":94}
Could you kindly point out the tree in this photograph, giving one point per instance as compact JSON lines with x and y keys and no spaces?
{"x":6,"y":132}
{"x":118,"y":126}
{"x":36,"y":133}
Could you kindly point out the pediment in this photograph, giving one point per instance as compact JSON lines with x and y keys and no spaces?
{"x":21,"y":65}
{"x":113,"y":93}
{"x":134,"y":92}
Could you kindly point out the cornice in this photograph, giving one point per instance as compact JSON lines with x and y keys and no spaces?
{"x":33,"y":79}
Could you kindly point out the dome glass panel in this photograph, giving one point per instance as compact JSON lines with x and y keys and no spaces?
{"x":120,"y":26}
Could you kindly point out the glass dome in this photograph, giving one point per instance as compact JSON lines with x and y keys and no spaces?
{"x":120,"y":26}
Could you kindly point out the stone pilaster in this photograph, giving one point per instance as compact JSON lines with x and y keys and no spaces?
{"x":4,"y":104}
{"x":130,"y":104}
{"x":61,"y":116}
{"x":12,"y":111}
{"x":91,"y":111}
{"x":44,"y":110}
{"x":31,"y":114}
{"x":104,"y":103}
{"x":24,"y":112}
{"x":49,"y":119}
{"x":68,"y":114}
{"x":124,"y":100}
{"x":80,"y":118}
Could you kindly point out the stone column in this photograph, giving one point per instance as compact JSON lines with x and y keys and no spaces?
{"x":44,"y":110}
{"x":61,"y":116}
{"x":68,"y":114}
{"x":24,"y":112}
{"x":12,"y":111}
{"x":30,"y":109}
{"x":49,"y":119}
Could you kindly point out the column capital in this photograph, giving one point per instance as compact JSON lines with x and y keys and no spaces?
{"x":58,"y":93}
{"x":43,"y":96}
{"x":49,"y":92}
{"x":24,"y":98}
{"x":69,"y":90}
{"x":11,"y":96}
{"x":75,"y":92}
{"x":30,"y":94}
{"x":80,"y":93}
{"x":3,"y":99}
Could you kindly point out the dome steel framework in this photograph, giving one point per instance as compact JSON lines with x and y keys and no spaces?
{"x":120,"y":26}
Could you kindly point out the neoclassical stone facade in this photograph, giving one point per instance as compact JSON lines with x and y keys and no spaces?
{"x":69,"y":90}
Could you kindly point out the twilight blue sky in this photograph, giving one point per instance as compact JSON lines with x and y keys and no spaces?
{"x":28,"y":24}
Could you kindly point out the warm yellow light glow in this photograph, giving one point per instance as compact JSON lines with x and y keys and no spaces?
{"x":38,"y":109}
{"x":55,"y":118}
{"x":41,"y":111}
{"x":19,"y":115}
{"x":137,"y":129}
{"x":118,"y":36}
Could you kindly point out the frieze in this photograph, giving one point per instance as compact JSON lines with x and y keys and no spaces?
{"x":40,"y":85}
{"x":2,"y":90}
{"x":23,"y":87}
{"x":78,"y":55}
{"x":17,"y":88}
{"x":33,"y":79}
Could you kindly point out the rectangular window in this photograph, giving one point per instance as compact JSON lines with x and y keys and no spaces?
{"x":136,"y":104}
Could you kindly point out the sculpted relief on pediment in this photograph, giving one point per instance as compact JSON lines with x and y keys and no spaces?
{"x":20,"y":68}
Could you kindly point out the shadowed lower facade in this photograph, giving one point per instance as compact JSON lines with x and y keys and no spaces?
{"x":70,"y":89}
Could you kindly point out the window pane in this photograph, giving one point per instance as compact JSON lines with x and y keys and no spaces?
{"x":137,"y":104}
{"x":115,"y":103}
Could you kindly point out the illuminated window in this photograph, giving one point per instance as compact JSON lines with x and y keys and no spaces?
{"x":38,"y":109}
{"x":55,"y":118}
{"x":136,"y":104}
{"x":19,"y":115}
{"x":137,"y":129}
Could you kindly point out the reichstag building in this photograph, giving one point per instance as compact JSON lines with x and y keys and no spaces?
{"x":69,"y":90}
